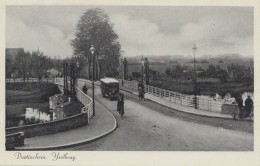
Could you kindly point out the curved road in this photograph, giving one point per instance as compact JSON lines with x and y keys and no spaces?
{"x":145,"y":129}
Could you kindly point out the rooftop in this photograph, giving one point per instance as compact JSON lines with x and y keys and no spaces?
{"x":109,"y":80}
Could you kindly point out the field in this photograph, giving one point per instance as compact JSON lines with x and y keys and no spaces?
{"x":187,"y":87}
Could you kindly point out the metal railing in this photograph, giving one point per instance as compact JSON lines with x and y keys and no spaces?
{"x":82,"y":97}
{"x":86,"y":101}
{"x":203,"y":102}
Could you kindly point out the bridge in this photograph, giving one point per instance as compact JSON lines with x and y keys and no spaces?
{"x":164,"y":121}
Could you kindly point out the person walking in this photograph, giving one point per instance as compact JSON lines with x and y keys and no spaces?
{"x":120,"y":105}
{"x":141,"y":91}
{"x":85,"y":89}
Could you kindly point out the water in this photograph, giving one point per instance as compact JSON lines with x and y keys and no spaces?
{"x":31,"y":116}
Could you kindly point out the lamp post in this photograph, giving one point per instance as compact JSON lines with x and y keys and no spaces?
{"x":194,"y":48}
{"x":146,"y":71}
{"x":92,"y":50}
{"x":142,"y":61}
{"x":58,"y":66}
{"x":64,"y":77}
{"x":78,"y":72}
{"x":28,"y":75}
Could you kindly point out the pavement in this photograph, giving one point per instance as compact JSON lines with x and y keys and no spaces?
{"x":99,"y":126}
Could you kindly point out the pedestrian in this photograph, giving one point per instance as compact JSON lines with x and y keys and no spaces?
{"x":249,"y":105}
{"x":85,"y":89}
{"x":239,"y":102}
{"x":120,"y":104}
{"x":140,"y":92}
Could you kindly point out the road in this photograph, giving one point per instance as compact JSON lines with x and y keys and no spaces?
{"x":144,"y":128}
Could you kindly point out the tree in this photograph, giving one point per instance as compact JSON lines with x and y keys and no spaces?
{"x":211,"y":71}
{"x":94,"y":27}
{"x":204,"y":61}
{"x":168,"y":71}
{"x":21,"y":63}
{"x":178,"y":70}
{"x":40,"y":63}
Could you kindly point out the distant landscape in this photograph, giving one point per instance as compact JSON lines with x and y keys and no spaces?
{"x":221,"y":74}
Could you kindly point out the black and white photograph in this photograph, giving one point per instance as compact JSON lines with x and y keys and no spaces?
{"x":128,"y":78}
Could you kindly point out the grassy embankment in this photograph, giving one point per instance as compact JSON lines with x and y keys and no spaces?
{"x":22,"y":95}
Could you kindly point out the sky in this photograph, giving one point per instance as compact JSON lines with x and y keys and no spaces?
{"x":142,"y":30}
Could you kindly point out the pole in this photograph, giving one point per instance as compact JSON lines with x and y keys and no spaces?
{"x":64,"y":80}
{"x":93,"y":88}
{"x":195,"y":81}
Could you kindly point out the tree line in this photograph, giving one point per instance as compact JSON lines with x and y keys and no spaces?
{"x":28,"y":64}
{"x":233,"y":71}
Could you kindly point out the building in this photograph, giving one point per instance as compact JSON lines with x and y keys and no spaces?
{"x":11,"y":53}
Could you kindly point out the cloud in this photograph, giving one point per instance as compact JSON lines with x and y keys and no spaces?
{"x":51,"y":28}
{"x":139,"y":36}
{"x":219,"y":35}
{"x":49,"y":39}
{"x":212,"y":34}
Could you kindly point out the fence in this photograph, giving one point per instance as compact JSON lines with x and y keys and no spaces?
{"x":203,"y":102}
{"x":50,"y":80}
{"x":86,"y":101}
{"x":81,"y":96}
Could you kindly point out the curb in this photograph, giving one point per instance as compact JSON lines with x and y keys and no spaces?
{"x":208,"y":116}
{"x":75,"y":143}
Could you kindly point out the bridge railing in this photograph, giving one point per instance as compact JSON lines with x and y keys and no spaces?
{"x":81,"y":96}
{"x":203,"y":102}
{"x":86,"y":101}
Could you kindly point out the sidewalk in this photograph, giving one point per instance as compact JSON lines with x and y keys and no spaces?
{"x":181,"y":108}
{"x":99,"y":126}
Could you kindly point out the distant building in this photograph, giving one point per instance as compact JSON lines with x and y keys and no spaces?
{"x":11,"y":53}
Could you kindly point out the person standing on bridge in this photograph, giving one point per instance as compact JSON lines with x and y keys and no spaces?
{"x":85,"y":89}
{"x":141,"y":91}
{"x":249,"y":105}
